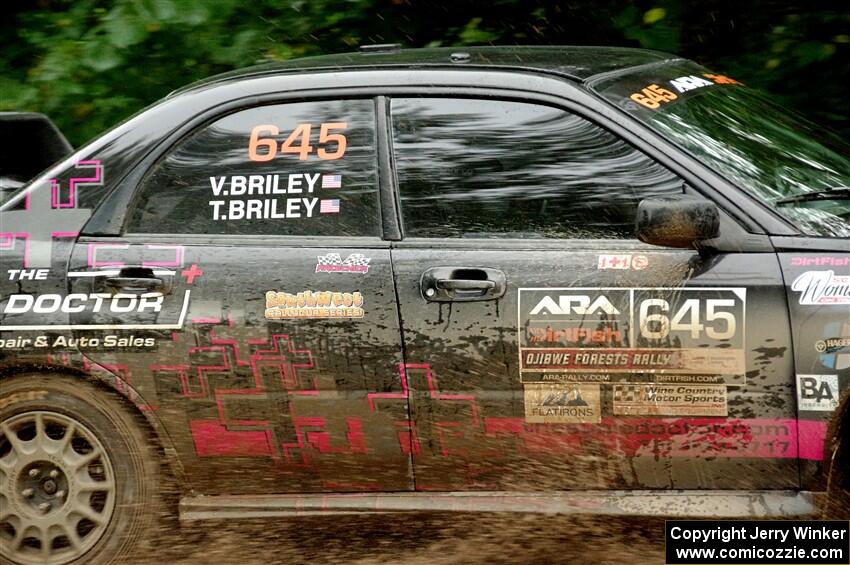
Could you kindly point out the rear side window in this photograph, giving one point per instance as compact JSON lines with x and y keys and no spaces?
{"x":306,"y":168}
{"x":489,"y":168}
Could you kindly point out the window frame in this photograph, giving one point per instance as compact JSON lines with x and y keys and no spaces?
{"x":749,"y":230}
{"x":198,"y":127}
{"x":734,"y":233}
{"x":513,"y":100}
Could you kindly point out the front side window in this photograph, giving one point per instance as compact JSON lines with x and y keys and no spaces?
{"x":306,"y":168}
{"x":491,"y":168}
{"x":799,"y":169}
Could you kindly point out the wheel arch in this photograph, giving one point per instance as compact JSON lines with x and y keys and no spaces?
{"x":106,"y":380}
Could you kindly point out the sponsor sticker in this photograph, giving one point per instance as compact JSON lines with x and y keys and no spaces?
{"x":835,"y":351}
{"x":562,"y":404}
{"x":658,"y":95}
{"x":82,"y":342}
{"x":822,"y":288}
{"x":334,"y":263}
{"x":313,"y":304}
{"x":670,"y":400}
{"x":622,"y":262}
{"x":817,"y":392}
{"x":609,"y":334}
{"x":820,"y":261}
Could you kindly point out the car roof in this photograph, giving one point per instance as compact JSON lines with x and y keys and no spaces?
{"x":575,"y":62}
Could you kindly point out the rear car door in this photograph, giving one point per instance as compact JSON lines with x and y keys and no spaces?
{"x":545,"y":347}
{"x":258,"y":316}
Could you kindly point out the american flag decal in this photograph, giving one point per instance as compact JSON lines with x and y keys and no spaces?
{"x":331,"y":181}
{"x":329,"y":206}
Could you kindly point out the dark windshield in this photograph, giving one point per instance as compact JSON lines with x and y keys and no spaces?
{"x":769,"y":151}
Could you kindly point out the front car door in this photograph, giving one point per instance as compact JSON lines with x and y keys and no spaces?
{"x":545,"y":347}
{"x":265,"y":331}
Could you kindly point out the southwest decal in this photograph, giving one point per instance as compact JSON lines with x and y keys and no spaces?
{"x":310,"y":304}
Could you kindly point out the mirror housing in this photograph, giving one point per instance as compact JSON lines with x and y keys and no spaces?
{"x":677,"y":221}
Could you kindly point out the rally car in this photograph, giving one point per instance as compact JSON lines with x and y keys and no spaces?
{"x":550,"y":279}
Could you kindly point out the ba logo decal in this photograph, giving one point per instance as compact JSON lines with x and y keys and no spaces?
{"x":817,"y":392}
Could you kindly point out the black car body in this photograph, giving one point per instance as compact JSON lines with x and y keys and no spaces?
{"x":415,"y":272}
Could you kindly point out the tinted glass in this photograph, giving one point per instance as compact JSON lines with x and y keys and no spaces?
{"x":308,"y":169}
{"x":801,"y":170}
{"x":488,"y":168}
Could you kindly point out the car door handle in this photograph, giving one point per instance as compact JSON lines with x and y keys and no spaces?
{"x":462,"y":284}
{"x":465,"y":284}
{"x":134,"y":283}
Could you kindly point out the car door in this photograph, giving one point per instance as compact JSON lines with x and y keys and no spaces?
{"x":545,"y":347}
{"x":257,"y":312}
{"x":817,"y":277}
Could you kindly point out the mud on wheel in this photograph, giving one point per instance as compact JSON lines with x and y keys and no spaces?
{"x":78,"y":478}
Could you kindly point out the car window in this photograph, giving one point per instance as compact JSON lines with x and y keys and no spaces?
{"x":306,"y":168}
{"x":490,"y":168}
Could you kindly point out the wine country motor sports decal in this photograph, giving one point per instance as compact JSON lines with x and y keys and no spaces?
{"x":334,"y":263}
{"x":670,"y":400}
{"x":313,"y":304}
{"x":822,"y":288}
{"x":556,"y":403}
{"x":674,"y":335}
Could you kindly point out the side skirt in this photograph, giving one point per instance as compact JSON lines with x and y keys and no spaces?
{"x":682,"y":503}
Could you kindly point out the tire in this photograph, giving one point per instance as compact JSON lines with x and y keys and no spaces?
{"x":79,"y":479}
{"x":836,"y":505}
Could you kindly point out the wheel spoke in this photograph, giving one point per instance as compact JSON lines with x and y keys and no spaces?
{"x":89,"y":486}
{"x":90,"y":514}
{"x":40,"y":435}
{"x":13,"y":438}
{"x":5,"y":508}
{"x":66,"y":439}
{"x":45,"y":540}
{"x":19,"y":537}
{"x":6,"y":466}
{"x":71,"y":534}
{"x":86,"y":459}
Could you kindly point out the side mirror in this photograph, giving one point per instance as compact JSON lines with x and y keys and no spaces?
{"x":676,"y":221}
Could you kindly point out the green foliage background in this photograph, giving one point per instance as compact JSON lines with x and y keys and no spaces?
{"x":90,"y":63}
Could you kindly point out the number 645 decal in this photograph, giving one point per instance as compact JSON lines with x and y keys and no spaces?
{"x":332,"y":142}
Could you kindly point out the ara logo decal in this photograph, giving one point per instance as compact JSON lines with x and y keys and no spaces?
{"x":577,"y":304}
{"x":823,"y":288}
{"x":334,"y":263}
{"x":817,"y":392}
